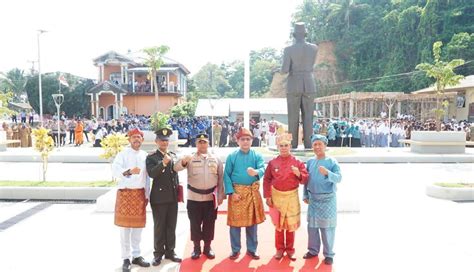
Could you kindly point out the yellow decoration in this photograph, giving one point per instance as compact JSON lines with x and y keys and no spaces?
{"x":112,"y":145}
{"x":165,"y":132}
{"x":43,"y":144}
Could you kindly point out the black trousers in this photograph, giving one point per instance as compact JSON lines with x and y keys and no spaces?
{"x":202,"y":216}
{"x":164,"y":228}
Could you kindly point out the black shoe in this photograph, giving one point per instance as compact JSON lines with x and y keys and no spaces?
{"x":173,"y":257}
{"x":196,"y":254}
{"x":308,"y":255}
{"x":157,"y":260}
{"x":254,"y":255}
{"x":209,"y":253}
{"x":140,"y":261}
{"x":234,"y":255}
{"x":127,"y":266}
{"x":328,"y":260}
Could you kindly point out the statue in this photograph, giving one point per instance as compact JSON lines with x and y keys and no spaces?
{"x":298,"y":63}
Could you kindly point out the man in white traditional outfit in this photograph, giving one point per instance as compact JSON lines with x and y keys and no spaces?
{"x":132,"y":197}
{"x":320,"y":194}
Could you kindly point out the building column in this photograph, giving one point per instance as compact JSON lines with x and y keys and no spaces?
{"x":331,"y":109}
{"x":351,"y":108}
{"x":341,"y":108}
{"x":92,"y":104}
{"x":371,"y":109}
{"x":121,"y":105}
{"x":399,"y":107}
{"x":133,"y":82}
{"x":324,"y":110}
{"x":97,"y":112}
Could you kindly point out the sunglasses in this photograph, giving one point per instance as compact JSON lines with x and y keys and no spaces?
{"x":245,"y":139}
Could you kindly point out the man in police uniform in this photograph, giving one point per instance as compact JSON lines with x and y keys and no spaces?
{"x":205,"y":193}
{"x":163,"y":197}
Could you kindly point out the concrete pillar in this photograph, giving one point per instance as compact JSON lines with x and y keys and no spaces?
{"x":351,"y":108}
{"x":324,"y":110}
{"x":121,"y":105}
{"x":371,"y":109}
{"x":121,"y":73}
{"x":399,"y":107}
{"x":341,"y":108}
{"x":331,"y":109}
{"x":133,"y":82}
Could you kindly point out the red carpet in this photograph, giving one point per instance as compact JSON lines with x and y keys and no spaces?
{"x":266,"y":250}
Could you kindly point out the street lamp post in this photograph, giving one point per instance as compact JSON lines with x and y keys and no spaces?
{"x":40,"y":31}
{"x":58,"y":100}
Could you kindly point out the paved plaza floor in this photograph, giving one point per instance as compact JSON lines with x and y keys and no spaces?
{"x":398,"y":227}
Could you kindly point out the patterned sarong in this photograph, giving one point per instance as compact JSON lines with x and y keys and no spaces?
{"x":130,"y":208}
{"x":248,"y":211}
{"x":288,"y":205}
{"x":322,"y":210}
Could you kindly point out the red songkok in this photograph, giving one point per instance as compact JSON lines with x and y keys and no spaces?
{"x":135,"y":131}
{"x":244,"y":132}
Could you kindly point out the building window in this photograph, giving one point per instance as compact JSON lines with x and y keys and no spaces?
{"x":116,"y":78}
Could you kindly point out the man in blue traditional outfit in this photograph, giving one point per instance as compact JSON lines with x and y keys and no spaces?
{"x":243,"y":170}
{"x":320,"y":194}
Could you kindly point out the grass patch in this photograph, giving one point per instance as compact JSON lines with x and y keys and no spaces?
{"x":57,"y":183}
{"x":455,"y":185}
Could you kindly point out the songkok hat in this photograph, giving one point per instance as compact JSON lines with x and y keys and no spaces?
{"x":135,"y":131}
{"x":319,"y":137}
{"x":163,"y":134}
{"x":202,"y":137}
{"x":284,"y":138}
{"x":244,"y":132}
{"x":299,"y":28}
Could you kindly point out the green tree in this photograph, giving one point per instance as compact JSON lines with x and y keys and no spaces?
{"x":5,"y":97}
{"x":13,"y":81}
{"x":444,"y":75}
{"x":186,"y":109}
{"x":211,"y":81}
{"x":76,"y":101}
{"x":154,"y":60}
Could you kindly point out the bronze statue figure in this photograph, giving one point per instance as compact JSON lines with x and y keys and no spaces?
{"x":298,"y":63}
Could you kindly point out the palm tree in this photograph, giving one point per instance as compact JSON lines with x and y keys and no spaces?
{"x":154,"y":60}
{"x":343,"y":10}
{"x":13,"y":81}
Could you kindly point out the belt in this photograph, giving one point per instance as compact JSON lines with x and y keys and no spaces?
{"x":201,"y":191}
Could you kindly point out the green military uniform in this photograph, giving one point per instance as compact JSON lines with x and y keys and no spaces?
{"x":163,"y":200}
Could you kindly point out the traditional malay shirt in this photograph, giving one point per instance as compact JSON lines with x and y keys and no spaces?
{"x":321,"y":190}
{"x":281,"y":184}
{"x":249,"y":210}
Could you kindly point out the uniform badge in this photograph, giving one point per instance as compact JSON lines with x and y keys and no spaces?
{"x":164,"y":131}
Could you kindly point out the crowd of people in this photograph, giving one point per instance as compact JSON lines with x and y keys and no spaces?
{"x":222,"y":131}
{"x":378,"y":132}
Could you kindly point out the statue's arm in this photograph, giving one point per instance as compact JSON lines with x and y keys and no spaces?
{"x":285,"y":67}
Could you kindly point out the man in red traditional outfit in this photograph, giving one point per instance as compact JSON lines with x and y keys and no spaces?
{"x":280,"y":188}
